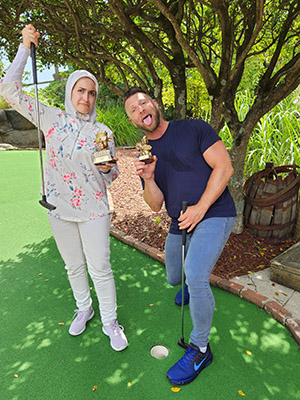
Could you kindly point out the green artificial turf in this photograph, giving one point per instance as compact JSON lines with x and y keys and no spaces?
{"x":40,"y":360}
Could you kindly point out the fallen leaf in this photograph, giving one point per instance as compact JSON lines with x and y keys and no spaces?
{"x":40,"y":274}
{"x":241,"y":393}
{"x":16,"y":376}
{"x":151,"y":305}
{"x":234,"y":257}
{"x":46,"y":280}
{"x":60,"y":323}
{"x":95,"y":388}
{"x":129,"y":384}
{"x":248,"y":352}
{"x":262,"y":253}
{"x":276,"y":294}
{"x":175,"y":389}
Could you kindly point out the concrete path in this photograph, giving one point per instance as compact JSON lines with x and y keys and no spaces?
{"x":261,"y":283}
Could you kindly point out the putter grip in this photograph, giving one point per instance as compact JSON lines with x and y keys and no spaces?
{"x":33,"y":59}
{"x":184,"y":207}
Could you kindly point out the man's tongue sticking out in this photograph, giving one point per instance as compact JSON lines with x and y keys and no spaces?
{"x":148,"y":120}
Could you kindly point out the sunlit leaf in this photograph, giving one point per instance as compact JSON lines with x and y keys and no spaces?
{"x":175,"y":389}
{"x":240,"y":392}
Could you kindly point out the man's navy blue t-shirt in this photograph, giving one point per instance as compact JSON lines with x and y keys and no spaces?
{"x":181,"y":171}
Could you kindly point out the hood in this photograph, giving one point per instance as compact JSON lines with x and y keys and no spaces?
{"x":70,"y":109}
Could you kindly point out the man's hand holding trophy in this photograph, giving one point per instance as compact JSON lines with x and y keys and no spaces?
{"x":144,"y":151}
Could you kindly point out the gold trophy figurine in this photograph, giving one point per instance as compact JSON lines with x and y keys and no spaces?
{"x":144,"y":148}
{"x":103,"y":155}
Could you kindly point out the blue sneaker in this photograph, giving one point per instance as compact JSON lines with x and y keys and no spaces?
{"x":190,"y":365}
{"x":178,"y":297}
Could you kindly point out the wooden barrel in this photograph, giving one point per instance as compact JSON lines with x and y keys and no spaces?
{"x":271,"y":198}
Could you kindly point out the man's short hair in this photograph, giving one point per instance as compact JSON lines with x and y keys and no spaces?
{"x":133,"y":90}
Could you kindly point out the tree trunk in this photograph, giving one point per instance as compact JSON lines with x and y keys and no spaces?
{"x":238,"y":154}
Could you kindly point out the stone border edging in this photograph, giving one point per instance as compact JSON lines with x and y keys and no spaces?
{"x":276,"y":311}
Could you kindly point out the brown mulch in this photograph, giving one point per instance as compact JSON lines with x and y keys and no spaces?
{"x":242,"y":254}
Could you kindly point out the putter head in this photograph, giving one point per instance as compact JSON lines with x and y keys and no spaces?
{"x":45,"y":204}
{"x":182,"y":344}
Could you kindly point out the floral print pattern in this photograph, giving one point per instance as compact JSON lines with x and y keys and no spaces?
{"x":74,"y":184}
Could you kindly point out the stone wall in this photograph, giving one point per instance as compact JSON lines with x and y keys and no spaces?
{"x":17,"y":130}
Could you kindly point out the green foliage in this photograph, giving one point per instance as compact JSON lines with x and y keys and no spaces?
{"x":53,"y":95}
{"x":115,"y":118}
{"x":198,"y":103}
{"x":3,"y":104}
{"x":275,"y":138}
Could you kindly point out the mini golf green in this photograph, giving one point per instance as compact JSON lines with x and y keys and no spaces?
{"x":254,"y":356}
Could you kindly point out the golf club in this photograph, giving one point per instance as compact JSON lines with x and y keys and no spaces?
{"x":43,"y":202}
{"x":181,"y":342}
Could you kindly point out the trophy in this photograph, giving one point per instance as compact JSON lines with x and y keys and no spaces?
{"x":144,"y":148}
{"x":103,"y":155}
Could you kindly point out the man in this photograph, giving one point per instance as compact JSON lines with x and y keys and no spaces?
{"x":190,"y":164}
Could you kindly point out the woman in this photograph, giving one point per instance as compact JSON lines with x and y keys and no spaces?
{"x":81,"y":221}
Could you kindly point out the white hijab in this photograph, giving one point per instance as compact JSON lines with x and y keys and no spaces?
{"x":70,"y":109}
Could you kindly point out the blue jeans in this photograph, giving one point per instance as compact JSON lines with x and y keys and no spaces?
{"x":204,"y":246}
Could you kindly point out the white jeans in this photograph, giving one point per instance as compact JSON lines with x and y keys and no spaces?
{"x":87,"y":243}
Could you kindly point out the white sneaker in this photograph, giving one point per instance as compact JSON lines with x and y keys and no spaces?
{"x":80,"y":319}
{"x":118,"y":340}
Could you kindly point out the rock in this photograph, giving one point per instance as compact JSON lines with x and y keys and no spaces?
{"x":5,"y":125}
{"x":7,"y":146}
{"x":16,"y":130}
{"x":17,"y":121}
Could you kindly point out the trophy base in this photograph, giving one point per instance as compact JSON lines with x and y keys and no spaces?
{"x":102,"y":157}
{"x":146,"y":159}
